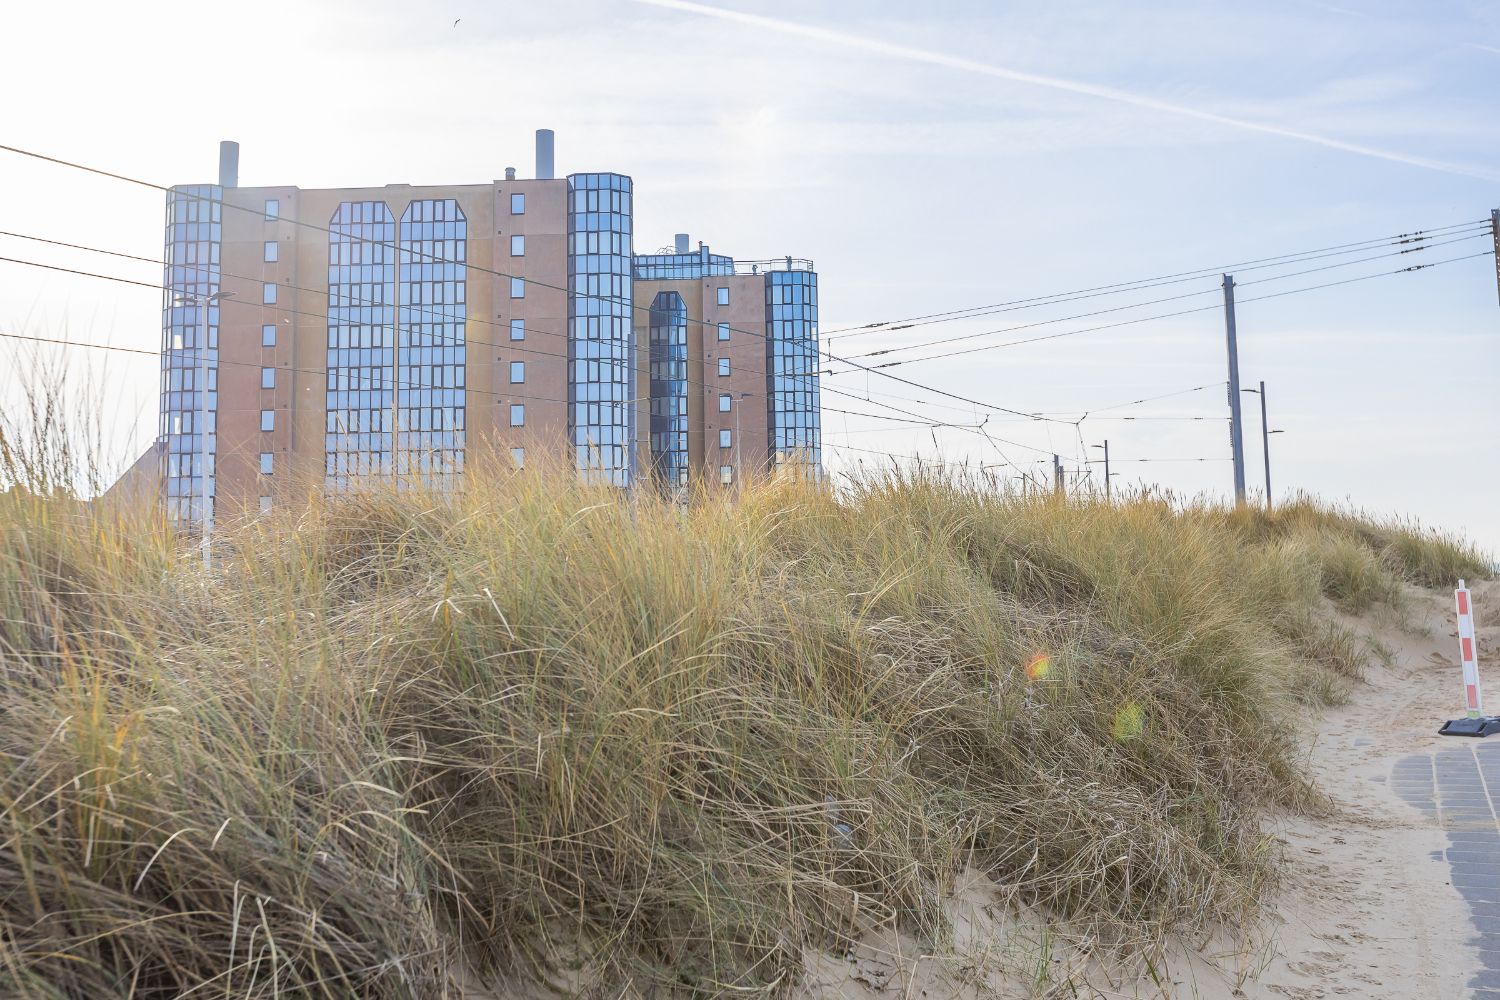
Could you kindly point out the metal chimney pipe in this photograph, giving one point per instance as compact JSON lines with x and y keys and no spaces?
{"x":683,"y":246}
{"x":544,"y":140}
{"x":229,"y":164}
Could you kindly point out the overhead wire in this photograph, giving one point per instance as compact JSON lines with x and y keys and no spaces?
{"x":1142,"y":283}
{"x":418,"y":255}
{"x":1170,"y":298}
{"x":1170,"y":315}
{"x":514,"y":346}
{"x":323,"y":373}
{"x":854,"y":365}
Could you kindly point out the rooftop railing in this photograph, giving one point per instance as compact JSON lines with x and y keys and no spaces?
{"x":774,"y":264}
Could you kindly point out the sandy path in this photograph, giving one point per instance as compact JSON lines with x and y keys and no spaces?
{"x":1370,"y":910}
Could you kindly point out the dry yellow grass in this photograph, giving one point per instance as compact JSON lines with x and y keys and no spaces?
{"x":400,"y":735}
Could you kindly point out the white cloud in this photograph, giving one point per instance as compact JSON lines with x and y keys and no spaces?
{"x":1107,"y":93}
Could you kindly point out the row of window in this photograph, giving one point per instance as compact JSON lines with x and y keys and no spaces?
{"x":193,"y":236}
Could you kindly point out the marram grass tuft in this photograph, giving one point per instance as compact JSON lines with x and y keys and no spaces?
{"x":399,"y":741}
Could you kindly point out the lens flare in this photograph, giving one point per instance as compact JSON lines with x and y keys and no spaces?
{"x":1129,"y":722}
{"x":1039,"y":666}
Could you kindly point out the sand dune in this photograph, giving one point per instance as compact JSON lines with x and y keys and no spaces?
{"x":1368,"y":908}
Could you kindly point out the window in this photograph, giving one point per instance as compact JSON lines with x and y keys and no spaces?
{"x":724,"y":402}
{"x":517,"y":329}
{"x":726,"y":438}
{"x":266,"y":461}
{"x":723,"y":367}
{"x":265,"y":505}
{"x":517,"y":288}
{"x":268,"y":293}
{"x":726,"y":474}
{"x":518,"y":456}
{"x":723,"y":331}
{"x":518,"y":246}
{"x":518,"y":204}
{"x":270,"y":251}
{"x":517,"y":372}
{"x":518,"y":414}
{"x":268,"y":378}
{"x":273,"y":209}
{"x":723,"y":296}
{"x":268,"y":420}
{"x":268,"y":335}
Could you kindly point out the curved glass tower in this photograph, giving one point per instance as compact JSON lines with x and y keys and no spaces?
{"x":601,"y":344}
{"x":430,"y":344}
{"x":361,"y":343}
{"x":668,"y":341}
{"x":792,"y":395}
{"x":193,"y":242}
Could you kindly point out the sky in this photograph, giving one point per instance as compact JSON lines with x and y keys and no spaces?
{"x":929,"y":157}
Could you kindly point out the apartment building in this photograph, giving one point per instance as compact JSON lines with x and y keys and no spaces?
{"x":358,"y":335}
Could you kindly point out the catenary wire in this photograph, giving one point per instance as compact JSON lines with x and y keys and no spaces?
{"x":417,"y":254}
{"x":1139,"y":284}
{"x":634,"y":306}
{"x":384,"y":383}
{"x":919,"y":345}
{"x":1180,"y":312}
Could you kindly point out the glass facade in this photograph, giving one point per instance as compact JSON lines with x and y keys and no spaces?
{"x":792,"y":396}
{"x":666,"y":266}
{"x":361,"y":343}
{"x":193,"y":238}
{"x":669,"y":390}
{"x":430,"y":345}
{"x":601,"y":345}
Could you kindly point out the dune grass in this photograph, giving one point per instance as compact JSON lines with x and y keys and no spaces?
{"x":398,"y":737}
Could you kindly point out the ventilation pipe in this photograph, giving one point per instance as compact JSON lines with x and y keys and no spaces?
{"x":544,"y":139}
{"x":510,"y":173}
{"x":229,"y":164}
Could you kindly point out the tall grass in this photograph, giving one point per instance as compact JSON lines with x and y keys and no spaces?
{"x":399,"y":739}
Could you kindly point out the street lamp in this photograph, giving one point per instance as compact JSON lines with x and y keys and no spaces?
{"x":203,"y":302}
{"x":739,"y":470}
{"x":1107,"y":474}
{"x":1265,"y":438}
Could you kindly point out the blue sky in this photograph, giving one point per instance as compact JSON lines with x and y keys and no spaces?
{"x":928,"y":157}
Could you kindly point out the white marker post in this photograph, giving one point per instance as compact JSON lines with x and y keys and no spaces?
{"x":1474,"y":722}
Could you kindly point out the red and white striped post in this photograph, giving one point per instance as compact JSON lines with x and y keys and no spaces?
{"x":1468,"y":655}
{"x":1474,"y":722}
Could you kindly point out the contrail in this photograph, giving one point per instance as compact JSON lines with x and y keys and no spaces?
{"x":1056,"y":83}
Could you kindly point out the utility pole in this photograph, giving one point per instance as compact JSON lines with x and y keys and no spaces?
{"x":1058,"y":486}
{"x":1495,"y":231}
{"x":1236,"y":424}
{"x":1107,"y":495}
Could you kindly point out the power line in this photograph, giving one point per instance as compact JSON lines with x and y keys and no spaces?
{"x":855,"y":365}
{"x":1170,"y":315}
{"x":420,"y":255}
{"x":1170,"y":298}
{"x":1152,"y":399}
{"x":630,"y":304}
{"x":467,"y":342}
{"x":1139,"y":284}
{"x":393,"y":383}
{"x":1118,"y":461}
